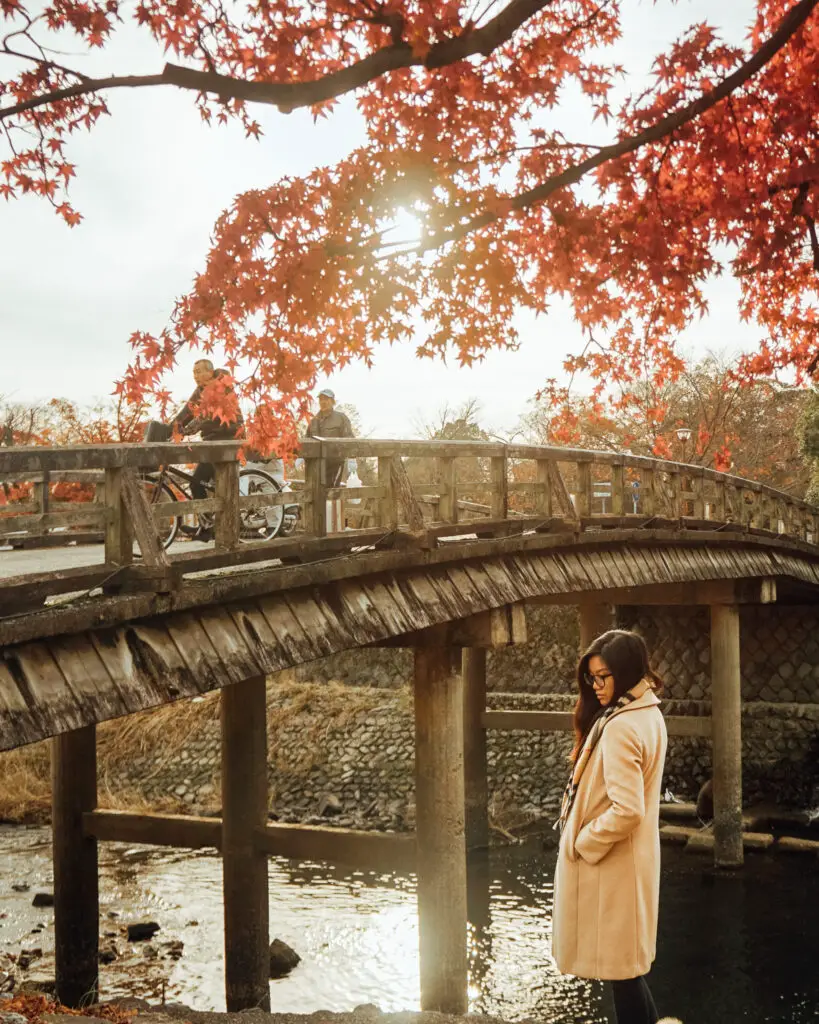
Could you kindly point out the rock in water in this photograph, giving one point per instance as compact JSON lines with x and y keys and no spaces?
{"x":705,"y":801}
{"x":141,"y":931}
{"x":43,"y":899}
{"x":282,"y":959}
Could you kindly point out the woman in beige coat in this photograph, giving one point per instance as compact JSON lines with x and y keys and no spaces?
{"x":607,"y":881}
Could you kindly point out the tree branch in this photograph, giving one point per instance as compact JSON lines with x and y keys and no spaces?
{"x":288,"y":96}
{"x":788,"y":26}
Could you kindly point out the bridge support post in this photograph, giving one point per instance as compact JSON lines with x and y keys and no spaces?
{"x":439,"y":796}
{"x":594,"y":619}
{"x":726,"y":724}
{"x":244,"y":863}
{"x":476,"y":790}
{"x":76,"y":878}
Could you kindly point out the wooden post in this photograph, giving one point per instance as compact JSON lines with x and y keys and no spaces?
{"x":500,"y":488}
{"x":439,"y":796}
{"x":543,"y":489}
{"x":226,"y":492}
{"x":76,"y":880}
{"x":726,"y":725}
{"x":648,"y":497}
{"x":584,"y":490}
{"x":618,"y":479}
{"x":675,"y":494}
{"x":388,"y":503}
{"x":119,"y":537}
{"x":594,"y":619}
{"x":317,"y":508}
{"x":475,"y":782}
{"x":448,"y":505}
{"x":244,"y":865}
{"x":721,"y":509}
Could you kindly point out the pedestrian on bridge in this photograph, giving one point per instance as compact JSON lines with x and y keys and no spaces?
{"x":330,"y":422}
{"x":607,"y":881}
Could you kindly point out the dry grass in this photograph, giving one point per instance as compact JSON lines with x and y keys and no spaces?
{"x":315,"y":709}
{"x":25,"y":784}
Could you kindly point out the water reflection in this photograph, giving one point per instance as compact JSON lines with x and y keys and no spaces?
{"x":732,"y":948}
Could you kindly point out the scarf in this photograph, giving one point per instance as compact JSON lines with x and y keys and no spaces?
{"x":591,"y":741}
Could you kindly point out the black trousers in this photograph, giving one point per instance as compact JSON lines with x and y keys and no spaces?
{"x":202,"y":475}
{"x":633,"y":1002}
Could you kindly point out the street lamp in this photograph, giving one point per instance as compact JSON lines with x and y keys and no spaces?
{"x":683,"y":436}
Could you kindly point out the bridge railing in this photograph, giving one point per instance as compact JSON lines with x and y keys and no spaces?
{"x":454,"y":482}
{"x":427,"y":489}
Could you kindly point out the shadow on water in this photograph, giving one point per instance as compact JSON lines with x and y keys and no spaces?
{"x":737,"y":947}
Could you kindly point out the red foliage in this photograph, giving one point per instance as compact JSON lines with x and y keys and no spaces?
{"x":305,"y":275}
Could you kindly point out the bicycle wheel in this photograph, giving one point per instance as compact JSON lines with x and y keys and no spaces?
{"x":261,"y":523}
{"x":157,"y":491}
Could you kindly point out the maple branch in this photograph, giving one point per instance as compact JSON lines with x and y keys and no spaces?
{"x":788,"y":26}
{"x":289,"y":96}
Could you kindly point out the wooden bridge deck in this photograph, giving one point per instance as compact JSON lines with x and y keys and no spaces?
{"x":99,"y":659}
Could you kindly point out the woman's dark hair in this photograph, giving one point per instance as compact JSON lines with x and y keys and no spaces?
{"x":626,"y":656}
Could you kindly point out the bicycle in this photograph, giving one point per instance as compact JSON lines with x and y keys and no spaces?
{"x":173,"y":484}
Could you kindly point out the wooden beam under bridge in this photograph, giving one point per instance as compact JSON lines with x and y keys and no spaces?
{"x":375,"y":851}
{"x":709,"y":592}
{"x":561,"y":721}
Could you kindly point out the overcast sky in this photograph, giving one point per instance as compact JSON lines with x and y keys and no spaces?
{"x":152,"y":180}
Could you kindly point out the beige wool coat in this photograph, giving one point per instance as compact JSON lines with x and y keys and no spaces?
{"x":607,"y":883}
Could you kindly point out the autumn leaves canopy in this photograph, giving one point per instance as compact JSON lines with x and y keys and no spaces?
{"x":713,"y":168}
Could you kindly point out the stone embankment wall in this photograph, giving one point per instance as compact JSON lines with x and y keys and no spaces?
{"x":779,"y":650}
{"x":342,"y":727}
{"x":546,"y":664}
{"x":355,"y":745}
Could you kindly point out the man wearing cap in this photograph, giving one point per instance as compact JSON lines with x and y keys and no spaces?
{"x":330,"y":423}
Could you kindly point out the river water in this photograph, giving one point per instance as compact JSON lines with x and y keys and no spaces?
{"x":733,"y":948}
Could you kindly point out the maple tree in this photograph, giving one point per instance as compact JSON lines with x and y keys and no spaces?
{"x":720,"y":150}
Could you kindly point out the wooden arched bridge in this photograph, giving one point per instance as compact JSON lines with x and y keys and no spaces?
{"x":441,"y":549}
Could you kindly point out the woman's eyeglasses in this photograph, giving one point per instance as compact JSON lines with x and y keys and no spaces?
{"x":597,"y":681}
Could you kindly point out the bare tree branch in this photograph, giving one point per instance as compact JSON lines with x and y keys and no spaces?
{"x":288,"y":96}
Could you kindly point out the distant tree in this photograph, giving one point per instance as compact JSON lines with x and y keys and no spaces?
{"x":745,"y":428}
{"x":807,"y":433}
{"x":454,"y":424}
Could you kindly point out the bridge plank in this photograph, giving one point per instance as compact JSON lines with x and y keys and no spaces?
{"x":288,"y":631}
{"x":201,"y":659}
{"x":502,"y":582}
{"x":146,"y":663}
{"x":396,"y":614}
{"x":52,"y":705}
{"x":359,"y":611}
{"x":428,"y":596}
{"x":89,"y":680}
{"x":316,"y":613}
{"x":237,"y":659}
{"x":456,"y":604}
{"x":259,"y":637}
{"x":413,"y":609}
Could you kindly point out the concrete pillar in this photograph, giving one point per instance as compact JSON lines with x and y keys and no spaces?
{"x":726,"y":723}
{"x":439,"y":798}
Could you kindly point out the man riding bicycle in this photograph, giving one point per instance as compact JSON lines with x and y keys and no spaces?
{"x":212,"y":411}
